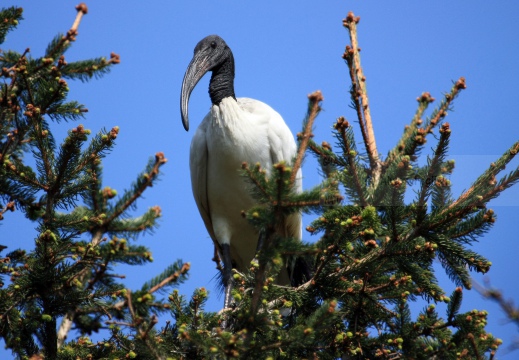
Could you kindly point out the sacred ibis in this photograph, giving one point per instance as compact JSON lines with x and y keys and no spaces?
{"x":235,"y":130}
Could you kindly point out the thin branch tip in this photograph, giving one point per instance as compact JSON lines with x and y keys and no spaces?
{"x":461,"y":84}
{"x":315,"y":98}
{"x":82,"y":8}
{"x":350,"y":18}
{"x":360,"y":96}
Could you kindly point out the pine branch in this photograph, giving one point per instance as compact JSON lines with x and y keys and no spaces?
{"x":9,"y":18}
{"x":410,"y":130}
{"x":175,"y":273}
{"x":85,"y":70}
{"x":433,"y":168}
{"x":313,"y":110}
{"x":258,"y":178}
{"x":454,"y":305}
{"x":327,"y":159}
{"x":68,"y":319}
{"x":467,"y":231}
{"x":348,"y":143}
{"x":482,"y":190}
{"x":414,"y":137}
{"x":142,"y":183}
{"x":60,"y":44}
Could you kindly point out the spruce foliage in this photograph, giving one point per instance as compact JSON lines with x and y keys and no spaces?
{"x":374,"y":254}
{"x":82,"y":226}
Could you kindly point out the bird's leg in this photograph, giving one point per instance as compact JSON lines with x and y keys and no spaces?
{"x":227,"y":281}
{"x":261,"y":241}
{"x":227,"y":274}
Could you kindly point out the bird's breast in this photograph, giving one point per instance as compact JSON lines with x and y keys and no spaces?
{"x":235,"y":136}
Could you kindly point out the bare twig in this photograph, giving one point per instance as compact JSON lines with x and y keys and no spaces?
{"x":82,"y":9}
{"x":358,"y":79}
{"x":72,"y":32}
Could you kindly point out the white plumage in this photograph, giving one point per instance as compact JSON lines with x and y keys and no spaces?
{"x":233,"y":132}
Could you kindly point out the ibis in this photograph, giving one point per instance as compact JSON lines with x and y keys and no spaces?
{"x":235,"y":130}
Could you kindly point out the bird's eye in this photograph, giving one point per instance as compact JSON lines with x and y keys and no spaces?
{"x":213,"y":44}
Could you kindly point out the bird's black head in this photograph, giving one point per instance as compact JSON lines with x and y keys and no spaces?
{"x":211,"y":54}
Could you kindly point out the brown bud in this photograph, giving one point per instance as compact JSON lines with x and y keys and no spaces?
{"x":460,"y":84}
{"x":326,"y":146}
{"x":425,"y":97}
{"x":160,"y":158}
{"x":371,"y":244}
{"x":445,"y":128}
{"x":185,"y":267}
{"x":157,"y":210}
{"x":341,"y":124}
{"x":316,"y":96}
{"x":115,"y":58}
{"x":10,"y":206}
{"x":113,"y":132}
{"x":396,"y":183}
{"x":351,"y":18}
{"x":82,"y":7}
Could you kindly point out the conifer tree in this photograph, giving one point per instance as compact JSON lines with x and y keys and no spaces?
{"x":82,"y":226}
{"x":374,"y":255}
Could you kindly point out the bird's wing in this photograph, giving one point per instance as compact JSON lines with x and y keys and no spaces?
{"x":198,"y":167}
{"x":282,"y":148}
{"x":280,"y":138}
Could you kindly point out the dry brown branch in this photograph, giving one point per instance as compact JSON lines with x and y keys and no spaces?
{"x":82,"y":9}
{"x":358,"y":79}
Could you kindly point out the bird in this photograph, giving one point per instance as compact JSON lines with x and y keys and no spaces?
{"x":236,"y":130}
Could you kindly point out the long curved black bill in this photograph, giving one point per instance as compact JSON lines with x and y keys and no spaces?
{"x":196,"y":69}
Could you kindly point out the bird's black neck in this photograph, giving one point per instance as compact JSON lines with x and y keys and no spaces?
{"x":222,"y":80}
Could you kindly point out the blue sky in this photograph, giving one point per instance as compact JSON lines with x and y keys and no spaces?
{"x":285,"y":50}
